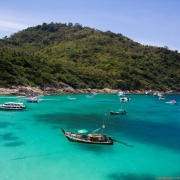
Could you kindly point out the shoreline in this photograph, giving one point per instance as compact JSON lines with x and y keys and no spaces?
{"x":21,"y":90}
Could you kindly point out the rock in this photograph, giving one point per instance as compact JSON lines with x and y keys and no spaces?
{"x":65,"y":89}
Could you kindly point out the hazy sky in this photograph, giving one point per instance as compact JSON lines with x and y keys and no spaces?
{"x":149,"y":22}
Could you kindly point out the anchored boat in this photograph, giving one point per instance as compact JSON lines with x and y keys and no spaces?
{"x":171,"y":102}
{"x":88,"y":139}
{"x":71,"y":98}
{"x":33,"y":100}
{"x":116,"y":112}
{"x":12,"y":106}
{"x":125,"y":99}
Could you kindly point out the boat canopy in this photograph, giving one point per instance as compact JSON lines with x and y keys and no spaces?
{"x":95,"y":135}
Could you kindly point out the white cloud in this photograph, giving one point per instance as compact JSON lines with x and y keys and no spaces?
{"x":11,"y":26}
{"x":12,"y":22}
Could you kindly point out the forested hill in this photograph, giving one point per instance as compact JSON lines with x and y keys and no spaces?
{"x":82,"y":57}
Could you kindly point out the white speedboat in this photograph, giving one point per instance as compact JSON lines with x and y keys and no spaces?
{"x":121,"y":93}
{"x":90,"y":96}
{"x":146,"y":93}
{"x":124,"y":99}
{"x":71,"y":98}
{"x":33,"y":100}
{"x":162,"y":97}
{"x":12,"y":106}
{"x":159,"y":94}
{"x":171,"y":102}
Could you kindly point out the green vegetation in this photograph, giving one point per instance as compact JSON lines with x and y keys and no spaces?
{"x":82,"y":57}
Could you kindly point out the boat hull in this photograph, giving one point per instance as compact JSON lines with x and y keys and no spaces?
{"x":89,"y":142}
{"x":5,"y":108}
{"x":32,"y":101}
{"x":170,"y":103}
{"x":116,"y":113}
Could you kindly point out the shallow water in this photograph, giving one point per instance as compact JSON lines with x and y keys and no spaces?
{"x":33,"y":147}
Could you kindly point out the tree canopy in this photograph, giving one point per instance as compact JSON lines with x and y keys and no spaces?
{"x":83,"y":57}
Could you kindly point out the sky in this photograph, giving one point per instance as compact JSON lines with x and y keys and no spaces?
{"x":149,"y":22}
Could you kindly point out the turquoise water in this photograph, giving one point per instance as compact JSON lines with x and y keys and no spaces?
{"x":33,"y":147}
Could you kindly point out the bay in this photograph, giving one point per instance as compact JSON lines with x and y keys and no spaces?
{"x":33,"y":147}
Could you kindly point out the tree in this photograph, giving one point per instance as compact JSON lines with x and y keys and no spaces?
{"x":70,"y":24}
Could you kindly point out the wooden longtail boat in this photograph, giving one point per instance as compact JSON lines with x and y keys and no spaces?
{"x":88,"y":139}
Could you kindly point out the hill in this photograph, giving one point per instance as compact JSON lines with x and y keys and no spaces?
{"x":56,"y":54}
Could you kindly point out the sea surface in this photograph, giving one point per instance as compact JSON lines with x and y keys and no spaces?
{"x":33,"y":147}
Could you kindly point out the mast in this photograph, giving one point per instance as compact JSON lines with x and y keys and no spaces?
{"x":103,"y":126}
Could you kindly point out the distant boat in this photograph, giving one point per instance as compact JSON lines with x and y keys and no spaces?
{"x":146,"y":93}
{"x":124,"y":99}
{"x":117,"y":112}
{"x":159,"y":94}
{"x":28,"y":95}
{"x":171,"y":102}
{"x":71,"y":98}
{"x":162,"y":97}
{"x":12,"y":106}
{"x":33,"y":100}
{"x":88,"y":139}
{"x":90,"y":96}
{"x":121,"y":93}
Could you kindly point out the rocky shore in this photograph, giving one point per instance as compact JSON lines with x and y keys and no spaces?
{"x":21,"y":90}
